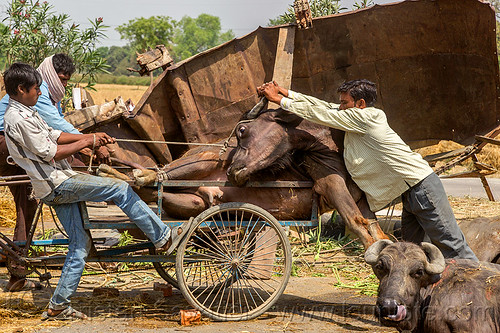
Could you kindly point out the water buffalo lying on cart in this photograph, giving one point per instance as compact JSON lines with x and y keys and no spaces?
{"x":420,"y":291}
{"x":311,"y":151}
{"x":204,"y":163}
{"x":279,"y":139}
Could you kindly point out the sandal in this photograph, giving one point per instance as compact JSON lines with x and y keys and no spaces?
{"x":176,"y":237}
{"x":67,"y":314}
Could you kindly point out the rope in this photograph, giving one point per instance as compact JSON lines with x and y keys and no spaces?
{"x":171,"y":142}
{"x":89,"y":169}
{"x":226,"y":142}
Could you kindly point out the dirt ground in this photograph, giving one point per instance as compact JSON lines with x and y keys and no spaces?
{"x":309,"y":304}
{"x":331,"y":291}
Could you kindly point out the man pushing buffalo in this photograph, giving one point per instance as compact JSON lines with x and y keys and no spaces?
{"x":381,"y":164}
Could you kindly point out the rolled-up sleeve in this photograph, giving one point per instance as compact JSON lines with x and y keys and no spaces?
{"x":28,"y":134}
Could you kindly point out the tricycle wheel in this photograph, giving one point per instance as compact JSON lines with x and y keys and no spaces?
{"x":165,"y":269}
{"x":234,"y":263}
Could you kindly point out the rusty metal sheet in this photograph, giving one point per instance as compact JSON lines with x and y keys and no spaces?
{"x":434,"y":62}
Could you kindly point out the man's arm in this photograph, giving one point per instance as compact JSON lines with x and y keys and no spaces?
{"x":51,"y":114}
{"x":68,"y":144}
{"x":277,"y":93}
{"x":316,"y":110}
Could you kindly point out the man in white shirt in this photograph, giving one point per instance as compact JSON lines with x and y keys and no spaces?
{"x":42,"y":151}
{"x":381,"y":164}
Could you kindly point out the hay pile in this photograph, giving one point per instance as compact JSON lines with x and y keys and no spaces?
{"x":490,"y":155}
{"x":7,"y":208}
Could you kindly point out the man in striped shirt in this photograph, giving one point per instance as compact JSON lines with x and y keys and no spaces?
{"x":41,"y":151}
{"x":381,"y":164}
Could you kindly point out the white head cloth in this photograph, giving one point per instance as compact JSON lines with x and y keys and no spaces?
{"x":49,"y":75}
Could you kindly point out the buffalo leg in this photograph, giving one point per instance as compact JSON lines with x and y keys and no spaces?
{"x":175,"y":205}
{"x":373,"y":226}
{"x":333,"y":188}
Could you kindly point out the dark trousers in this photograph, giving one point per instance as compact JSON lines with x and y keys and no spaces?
{"x":25,"y":207}
{"x":426,"y":210}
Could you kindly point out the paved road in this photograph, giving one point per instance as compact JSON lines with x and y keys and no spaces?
{"x":472,"y":187}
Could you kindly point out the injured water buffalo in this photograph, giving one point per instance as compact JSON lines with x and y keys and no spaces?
{"x":420,"y":291}
{"x":276,"y":139}
{"x":204,"y":163}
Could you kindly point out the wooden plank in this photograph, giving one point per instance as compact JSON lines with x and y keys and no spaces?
{"x":488,"y":140}
{"x":445,"y":155}
{"x":283,"y":63}
{"x":97,"y":114}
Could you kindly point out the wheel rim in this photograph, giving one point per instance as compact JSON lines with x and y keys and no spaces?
{"x":235,"y":262}
{"x":165,"y":269}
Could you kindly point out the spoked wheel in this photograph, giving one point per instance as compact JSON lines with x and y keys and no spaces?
{"x":234,"y":263}
{"x":165,"y":269}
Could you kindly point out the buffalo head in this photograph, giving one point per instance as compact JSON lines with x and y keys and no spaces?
{"x":267,"y":141}
{"x":403,"y":269}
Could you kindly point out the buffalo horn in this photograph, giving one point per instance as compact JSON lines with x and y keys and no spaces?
{"x":261,"y":105}
{"x":435,"y":263}
{"x":371,"y":254}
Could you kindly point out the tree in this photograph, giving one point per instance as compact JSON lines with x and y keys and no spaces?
{"x":119,"y":58}
{"x":182,"y":38}
{"x":318,"y":8}
{"x":142,"y":33}
{"x":195,"y":35}
{"x":33,"y":32}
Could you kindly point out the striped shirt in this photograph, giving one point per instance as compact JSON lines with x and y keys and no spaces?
{"x":378,"y":160}
{"x":33,"y":145}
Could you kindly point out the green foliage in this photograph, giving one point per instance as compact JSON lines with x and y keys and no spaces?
{"x":125,"y":239}
{"x":32,"y":31}
{"x":147,"y":32}
{"x":363,"y":4}
{"x":183,"y":38}
{"x":119,"y":58}
{"x":318,"y":8}
{"x":195,"y":35}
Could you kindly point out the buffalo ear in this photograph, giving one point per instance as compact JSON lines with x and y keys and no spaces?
{"x":435,"y":261}
{"x":371,"y":254}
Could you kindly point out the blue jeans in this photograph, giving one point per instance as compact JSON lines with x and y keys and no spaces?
{"x":426,"y":210}
{"x":84,"y":187}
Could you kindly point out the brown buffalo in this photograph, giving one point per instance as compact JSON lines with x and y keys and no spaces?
{"x":277,"y":138}
{"x":420,"y":291}
{"x":483,"y":236}
{"x":204,"y":163}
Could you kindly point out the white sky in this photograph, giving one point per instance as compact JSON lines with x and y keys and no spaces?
{"x":241,"y":16}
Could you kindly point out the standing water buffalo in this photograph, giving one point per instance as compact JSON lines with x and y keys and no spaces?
{"x":279,"y":139}
{"x":420,"y":291}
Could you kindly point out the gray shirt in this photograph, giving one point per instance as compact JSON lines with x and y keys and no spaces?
{"x":33,"y":145}
{"x":378,"y":160}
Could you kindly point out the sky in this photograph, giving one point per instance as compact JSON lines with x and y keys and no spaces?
{"x":241,"y":16}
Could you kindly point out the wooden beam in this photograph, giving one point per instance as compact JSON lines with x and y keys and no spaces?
{"x":283,"y":64}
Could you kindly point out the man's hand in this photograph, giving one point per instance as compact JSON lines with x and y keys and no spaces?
{"x":102,"y":139}
{"x":102,"y":155}
{"x":272,"y":91}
